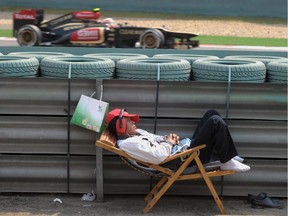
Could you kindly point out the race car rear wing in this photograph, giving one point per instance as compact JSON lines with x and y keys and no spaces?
{"x":27,"y":16}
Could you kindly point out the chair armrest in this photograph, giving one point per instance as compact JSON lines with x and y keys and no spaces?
{"x":184,"y":153}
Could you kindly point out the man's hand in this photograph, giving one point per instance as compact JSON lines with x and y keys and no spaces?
{"x":173,"y":138}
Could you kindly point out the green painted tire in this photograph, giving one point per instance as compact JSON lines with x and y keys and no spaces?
{"x":191,"y":58}
{"x":39,"y":55}
{"x":264,"y":59}
{"x":81,"y":67}
{"x":218,"y":70}
{"x":116,"y":56}
{"x":16,"y":66}
{"x":277,"y":71}
{"x":147,"y":69}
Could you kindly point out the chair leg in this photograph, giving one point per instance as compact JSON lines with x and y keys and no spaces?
{"x":210,"y":185}
{"x":155,"y":188}
{"x":170,"y":181}
{"x":222,"y":183}
{"x":152,"y":202}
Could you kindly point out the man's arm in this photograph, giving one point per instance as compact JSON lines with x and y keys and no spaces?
{"x":142,"y":149}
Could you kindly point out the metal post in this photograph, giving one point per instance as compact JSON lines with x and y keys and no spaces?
{"x":156,"y":111}
{"x":227,"y":116}
{"x":99,"y":156}
{"x":68,"y":130}
{"x":157,"y":99}
{"x":228,"y":94}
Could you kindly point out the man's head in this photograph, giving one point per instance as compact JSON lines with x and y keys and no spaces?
{"x":121,"y":123}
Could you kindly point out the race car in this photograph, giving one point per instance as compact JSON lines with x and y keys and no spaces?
{"x":83,"y":28}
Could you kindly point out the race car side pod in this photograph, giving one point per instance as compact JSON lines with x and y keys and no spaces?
{"x":62,"y":39}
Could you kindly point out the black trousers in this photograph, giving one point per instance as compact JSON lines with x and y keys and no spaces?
{"x":213,"y":131}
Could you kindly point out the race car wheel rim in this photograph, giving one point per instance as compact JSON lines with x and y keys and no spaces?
{"x":27,"y":38}
{"x":29,"y":35}
{"x":150,"y":41}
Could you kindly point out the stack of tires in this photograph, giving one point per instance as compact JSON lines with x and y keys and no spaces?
{"x":154,"y":69}
{"x":241,"y":68}
{"x":77,"y":67}
{"x":116,"y":56}
{"x":18,"y":66}
{"x":55,"y":64}
{"x":131,"y":66}
{"x":277,"y":71}
{"x":191,"y":58}
{"x":39,"y":56}
{"x":229,"y":70}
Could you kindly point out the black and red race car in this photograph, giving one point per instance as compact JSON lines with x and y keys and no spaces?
{"x":83,"y":28}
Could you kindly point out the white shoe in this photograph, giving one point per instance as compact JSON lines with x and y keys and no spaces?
{"x":238,"y":158}
{"x":234,"y":165}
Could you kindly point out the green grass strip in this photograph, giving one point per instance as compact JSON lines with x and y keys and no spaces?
{"x":247,"y":41}
{"x":5,"y":33}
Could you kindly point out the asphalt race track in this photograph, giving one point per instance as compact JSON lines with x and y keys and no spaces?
{"x":12,"y":42}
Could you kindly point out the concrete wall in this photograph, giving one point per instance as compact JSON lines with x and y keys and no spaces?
{"x":251,"y":8}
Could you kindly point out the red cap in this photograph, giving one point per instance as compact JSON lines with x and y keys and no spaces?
{"x":116,"y":112}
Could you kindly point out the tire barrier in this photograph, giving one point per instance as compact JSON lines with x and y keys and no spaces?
{"x":17,"y":66}
{"x":277,"y":71}
{"x":81,"y":67}
{"x":218,"y":70}
{"x":205,"y":71}
{"x":264,"y":59}
{"x":39,"y":56}
{"x":116,"y":56}
{"x":147,"y":69}
{"x":189,"y":57}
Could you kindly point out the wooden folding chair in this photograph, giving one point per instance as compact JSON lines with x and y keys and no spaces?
{"x":168,"y":177}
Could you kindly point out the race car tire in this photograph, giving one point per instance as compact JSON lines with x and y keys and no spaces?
{"x":264,"y":59}
{"x":189,"y":57}
{"x":81,"y":67}
{"x":116,"y":56}
{"x":16,"y":66}
{"x":218,"y":70}
{"x":39,"y":55}
{"x":277,"y":71}
{"x":147,"y":69}
{"x":29,"y":35}
{"x":152,"y":39}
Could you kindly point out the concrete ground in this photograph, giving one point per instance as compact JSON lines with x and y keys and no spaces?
{"x":125,"y":205}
